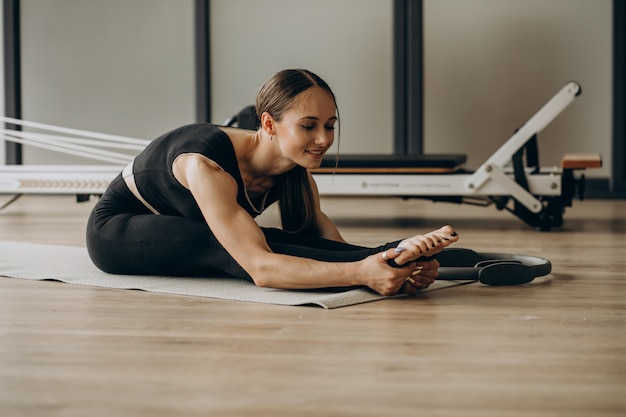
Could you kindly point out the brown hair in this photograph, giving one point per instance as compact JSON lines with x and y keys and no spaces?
{"x":295,"y":197}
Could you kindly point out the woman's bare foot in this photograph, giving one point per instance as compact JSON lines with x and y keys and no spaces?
{"x":427,"y":245}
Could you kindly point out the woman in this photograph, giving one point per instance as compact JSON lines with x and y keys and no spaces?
{"x":186,"y":205}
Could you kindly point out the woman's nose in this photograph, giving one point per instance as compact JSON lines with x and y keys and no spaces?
{"x":325,"y":139}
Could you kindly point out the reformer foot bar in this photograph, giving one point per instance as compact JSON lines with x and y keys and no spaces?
{"x":510,"y":178}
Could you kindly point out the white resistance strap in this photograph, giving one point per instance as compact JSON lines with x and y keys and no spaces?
{"x":129,"y":179}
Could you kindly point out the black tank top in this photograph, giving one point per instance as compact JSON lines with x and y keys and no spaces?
{"x":155,"y":178}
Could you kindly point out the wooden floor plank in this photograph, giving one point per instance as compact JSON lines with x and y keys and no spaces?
{"x":555,"y":347}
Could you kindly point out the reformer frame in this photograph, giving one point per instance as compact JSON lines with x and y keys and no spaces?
{"x":510,"y":178}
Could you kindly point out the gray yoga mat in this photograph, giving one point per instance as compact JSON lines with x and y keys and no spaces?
{"x":72,"y":265}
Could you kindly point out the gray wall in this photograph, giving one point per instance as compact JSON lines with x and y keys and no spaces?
{"x":491,"y":64}
{"x":126,"y":67}
{"x":117,"y":66}
{"x":347,"y":42}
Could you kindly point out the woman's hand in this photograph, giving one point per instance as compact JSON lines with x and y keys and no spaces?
{"x":424,"y":275}
{"x":410,"y":271}
{"x":388,"y":280}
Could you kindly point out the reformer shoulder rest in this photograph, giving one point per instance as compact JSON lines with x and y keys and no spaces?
{"x":490,"y":268}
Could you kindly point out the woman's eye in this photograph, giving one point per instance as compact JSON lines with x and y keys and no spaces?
{"x":308,"y":127}
{"x":330,"y":128}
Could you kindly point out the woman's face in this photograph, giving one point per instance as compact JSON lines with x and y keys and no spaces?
{"x":307,"y":129}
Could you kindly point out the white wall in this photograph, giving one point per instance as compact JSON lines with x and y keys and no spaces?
{"x":348,"y":43}
{"x":116,"y":66}
{"x":490,"y":64}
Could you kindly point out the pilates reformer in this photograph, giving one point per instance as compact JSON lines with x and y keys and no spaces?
{"x":83,"y":181}
{"x":511,"y":178}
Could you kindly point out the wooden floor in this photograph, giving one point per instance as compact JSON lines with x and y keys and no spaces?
{"x":556,"y":347}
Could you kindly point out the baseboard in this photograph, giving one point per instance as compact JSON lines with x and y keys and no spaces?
{"x":600,"y":188}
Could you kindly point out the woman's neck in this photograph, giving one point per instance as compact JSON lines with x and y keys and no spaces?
{"x":261,"y":156}
{"x":259,"y":159}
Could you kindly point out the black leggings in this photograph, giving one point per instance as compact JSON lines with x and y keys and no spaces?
{"x":123,"y":237}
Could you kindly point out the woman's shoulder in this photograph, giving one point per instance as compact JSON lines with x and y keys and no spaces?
{"x":195,"y":135}
{"x":195,"y":129}
{"x":201,"y":138}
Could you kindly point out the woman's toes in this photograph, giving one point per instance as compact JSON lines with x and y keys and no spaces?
{"x":448,"y":232}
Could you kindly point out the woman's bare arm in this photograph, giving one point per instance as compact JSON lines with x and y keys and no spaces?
{"x":215,"y":191}
{"x":216,"y":194}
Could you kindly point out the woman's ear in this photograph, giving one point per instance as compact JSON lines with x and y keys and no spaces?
{"x":268,"y":123}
